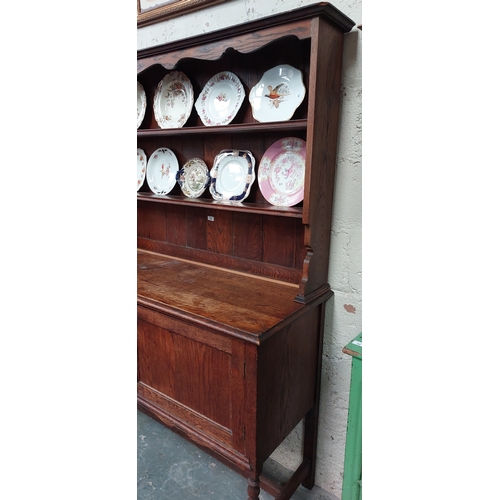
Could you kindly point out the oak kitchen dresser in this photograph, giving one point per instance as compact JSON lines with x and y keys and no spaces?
{"x":231,"y":296}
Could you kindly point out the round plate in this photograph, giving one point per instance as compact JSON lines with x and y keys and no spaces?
{"x":220,"y":99}
{"x":232,"y":175}
{"x":161,"y":171}
{"x":141,"y":167}
{"x":278,"y":94}
{"x":173,"y":100}
{"x":141,"y":104}
{"x":282,"y":172}
{"x":193,"y":178}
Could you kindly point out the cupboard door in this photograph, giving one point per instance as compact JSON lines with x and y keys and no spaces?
{"x":189,"y":373}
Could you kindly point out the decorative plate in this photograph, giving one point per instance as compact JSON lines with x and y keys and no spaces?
{"x":161,"y":170}
{"x":193,"y":177}
{"x":282,"y":172}
{"x":232,"y":175}
{"x":141,"y":104}
{"x":141,"y":167}
{"x":173,"y":100}
{"x":220,"y":99}
{"x":278,"y":94}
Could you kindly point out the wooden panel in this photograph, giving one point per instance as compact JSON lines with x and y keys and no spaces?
{"x":196,"y":224}
{"x":191,"y":373}
{"x":287,"y":366}
{"x":279,"y":241}
{"x":324,"y":102}
{"x":151,"y":221}
{"x":186,"y":415}
{"x":263,"y":269}
{"x":247,"y":236}
{"x":176,"y":225}
{"x":242,"y":43}
{"x":186,"y":329}
{"x":219,"y":232}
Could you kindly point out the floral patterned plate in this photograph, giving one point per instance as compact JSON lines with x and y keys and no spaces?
{"x":141,"y":167}
{"x":173,"y":100}
{"x":232,"y":175}
{"x":278,"y":94}
{"x":282,"y":172}
{"x":161,"y":171}
{"x":220,"y":99}
{"x":141,"y":104}
{"x":193,"y":178}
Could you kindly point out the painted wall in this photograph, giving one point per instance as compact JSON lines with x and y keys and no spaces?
{"x":343,"y":313}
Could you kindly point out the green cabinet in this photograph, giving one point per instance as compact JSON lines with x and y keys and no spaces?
{"x":351,"y":486}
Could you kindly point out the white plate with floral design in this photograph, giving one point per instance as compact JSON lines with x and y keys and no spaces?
{"x":220,"y":99}
{"x":161,"y":171}
{"x":141,"y":104}
{"x":173,"y":100}
{"x":193,"y":178}
{"x":141,"y":167}
{"x":282,"y":172}
{"x":232,"y":175}
{"x":278,"y":94}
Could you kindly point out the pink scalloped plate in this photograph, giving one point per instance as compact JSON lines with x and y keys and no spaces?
{"x":282,"y":172}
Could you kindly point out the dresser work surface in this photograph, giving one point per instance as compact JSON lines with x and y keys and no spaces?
{"x":228,"y":298}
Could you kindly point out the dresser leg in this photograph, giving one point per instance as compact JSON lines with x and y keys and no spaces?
{"x":253,"y":489}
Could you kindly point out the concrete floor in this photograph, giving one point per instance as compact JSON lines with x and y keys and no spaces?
{"x":170,"y":468}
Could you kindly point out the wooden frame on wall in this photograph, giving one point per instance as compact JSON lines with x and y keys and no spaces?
{"x":152,"y":11}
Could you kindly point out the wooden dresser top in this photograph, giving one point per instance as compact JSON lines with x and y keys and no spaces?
{"x":253,"y":305}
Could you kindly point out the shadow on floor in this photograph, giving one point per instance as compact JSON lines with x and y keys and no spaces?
{"x":171,"y":468}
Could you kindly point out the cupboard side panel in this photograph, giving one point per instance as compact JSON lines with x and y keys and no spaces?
{"x":287,"y":369}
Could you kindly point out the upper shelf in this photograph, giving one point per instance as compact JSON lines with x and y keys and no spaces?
{"x":232,"y":128}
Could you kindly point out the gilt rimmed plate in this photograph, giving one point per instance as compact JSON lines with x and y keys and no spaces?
{"x":161,"y":171}
{"x":141,"y":167}
{"x":193,"y":177}
{"x":278,"y":94}
{"x":220,"y":99}
{"x":141,"y":104}
{"x":173,"y":100}
{"x":282,"y":172}
{"x":232,"y":175}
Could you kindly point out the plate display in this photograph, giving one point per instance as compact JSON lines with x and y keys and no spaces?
{"x":232,"y":175}
{"x":278,"y":94}
{"x":193,"y":177}
{"x":141,"y":104}
{"x":141,"y":167}
{"x":173,"y":100}
{"x":220,"y":99}
{"x":161,"y":171}
{"x":282,"y":172}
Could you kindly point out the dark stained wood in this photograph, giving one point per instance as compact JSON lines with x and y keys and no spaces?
{"x":286,"y":380}
{"x":279,"y":236}
{"x":247,"y":231}
{"x":324,"y":101}
{"x":231,"y":296}
{"x":271,"y":271}
{"x":295,"y":212}
{"x":232,"y":128}
{"x":227,"y":298}
{"x":219,"y":232}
